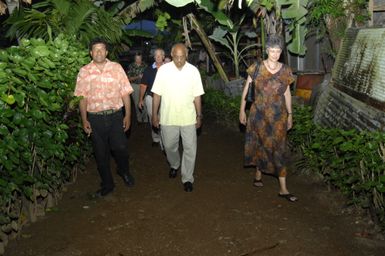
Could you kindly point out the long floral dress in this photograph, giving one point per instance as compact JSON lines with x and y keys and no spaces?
{"x":265,"y":142}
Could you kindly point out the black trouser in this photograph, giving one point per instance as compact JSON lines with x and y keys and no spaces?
{"x":108,"y":136}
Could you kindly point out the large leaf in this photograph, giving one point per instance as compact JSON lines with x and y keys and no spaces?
{"x":219,"y":35}
{"x":219,"y":16}
{"x":294,"y":11}
{"x":297,"y":40}
{"x":180,"y":3}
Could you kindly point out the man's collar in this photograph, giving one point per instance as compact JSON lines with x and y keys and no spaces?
{"x":107,"y":61}
{"x":154,"y":66}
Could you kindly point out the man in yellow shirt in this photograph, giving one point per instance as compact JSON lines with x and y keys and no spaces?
{"x":177,"y":89}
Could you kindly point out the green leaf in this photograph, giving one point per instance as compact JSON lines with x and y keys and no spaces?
{"x":219,"y":36}
{"x":268,"y":4}
{"x":17,"y":118}
{"x":40,"y":51}
{"x":20,"y":99}
{"x":9,"y":99}
{"x":220,"y":17}
{"x":37,"y":114}
{"x":3,"y":130}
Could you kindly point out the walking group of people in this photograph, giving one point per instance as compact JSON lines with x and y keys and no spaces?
{"x":168,"y":96}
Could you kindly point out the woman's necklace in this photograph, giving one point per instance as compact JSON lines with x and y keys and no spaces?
{"x":273,"y":69}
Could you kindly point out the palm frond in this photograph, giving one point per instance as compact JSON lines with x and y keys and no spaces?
{"x":133,"y":9}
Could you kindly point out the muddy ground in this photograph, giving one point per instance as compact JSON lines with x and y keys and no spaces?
{"x":224,"y":215}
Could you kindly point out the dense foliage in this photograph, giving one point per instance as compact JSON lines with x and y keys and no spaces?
{"x":224,"y":108}
{"x":352,"y":161}
{"x":40,"y":137}
{"x":49,"y":18}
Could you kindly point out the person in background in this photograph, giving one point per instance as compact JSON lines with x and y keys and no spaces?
{"x":105,"y":90}
{"x":167,"y":59}
{"x":135,"y":71}
{"x":270,"y":117}
{"x":177,"y":90}
{"x":145,"y":96}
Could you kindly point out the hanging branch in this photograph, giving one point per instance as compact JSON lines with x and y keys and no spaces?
{"x":186,"y":33}
{"x":209,"y":47}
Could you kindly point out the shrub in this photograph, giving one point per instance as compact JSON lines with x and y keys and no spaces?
{"x":40,"y":136}
{"x":224,"y":108}
{"x":351,"y":160}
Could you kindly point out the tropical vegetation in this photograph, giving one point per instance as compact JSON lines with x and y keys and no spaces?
{"x":41,"y":142}
{"x":42,"y":145}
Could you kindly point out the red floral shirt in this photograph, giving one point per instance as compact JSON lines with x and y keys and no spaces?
{"x":103,"y":89}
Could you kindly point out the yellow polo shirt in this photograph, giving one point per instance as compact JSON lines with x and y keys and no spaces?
{"x":178,"y":89}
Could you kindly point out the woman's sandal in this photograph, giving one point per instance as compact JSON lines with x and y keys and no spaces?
{"x":289,"y":197}
{"x":257,"y":183}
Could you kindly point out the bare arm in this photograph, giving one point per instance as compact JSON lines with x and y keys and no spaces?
{"x":83,"y":114}
{"x":127,"y":107}
{"x":142,"y":89}
{"x":155,"y":108}
{"x":288,"y":108}
{"x":198,"y":109}
{"x":242,"y":113}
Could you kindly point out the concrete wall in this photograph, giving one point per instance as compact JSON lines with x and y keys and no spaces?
{"x":338,"y":109}
{"x":355,"y":96}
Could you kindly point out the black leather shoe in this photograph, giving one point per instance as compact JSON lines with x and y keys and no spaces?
{"x":188,"y":186}
{"x":154,"y":144}
{"x":128,"y":179}
{"x":172,"y":174}
{"x":103,"y":192}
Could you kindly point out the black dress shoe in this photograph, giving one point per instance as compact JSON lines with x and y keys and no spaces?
{"x":154,"y":144}
{"x":172,"y":174}
{"x":128,"y":179}
{"x":188,"y":186}
{"x":103,"y":192}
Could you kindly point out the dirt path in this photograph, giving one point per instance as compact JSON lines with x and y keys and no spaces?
{"x":224,"y":215}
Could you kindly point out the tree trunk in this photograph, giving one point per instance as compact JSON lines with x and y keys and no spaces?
{"x":209,"y":47}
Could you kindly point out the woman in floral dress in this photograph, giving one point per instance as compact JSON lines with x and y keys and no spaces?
{"x":270,"y":117}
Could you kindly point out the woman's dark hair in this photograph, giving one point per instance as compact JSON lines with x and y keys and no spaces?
{"x":138,"y":54}
{"x":274,"y":41}
{"x":98,"y":40}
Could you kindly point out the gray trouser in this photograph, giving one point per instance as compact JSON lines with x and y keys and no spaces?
{"x":141,"y":116}
{"x":148,"y":102}
{"x":170,"y":138}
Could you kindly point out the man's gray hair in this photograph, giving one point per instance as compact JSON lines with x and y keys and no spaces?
{"x":274,"y":41}
{"x":160,"y":50}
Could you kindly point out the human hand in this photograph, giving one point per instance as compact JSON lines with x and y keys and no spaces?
{"x":140,"y":105}
{"x":289,"y":121}
{"x":87,"y":127}
{"x":126,"y":123}
{"x":242,"y":117}
{"x":198,"y":123}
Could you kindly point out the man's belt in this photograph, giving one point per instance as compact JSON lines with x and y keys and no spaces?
{"x":105,"y":112}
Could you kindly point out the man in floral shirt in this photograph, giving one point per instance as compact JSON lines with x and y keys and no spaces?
{"x":105,"y":91}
